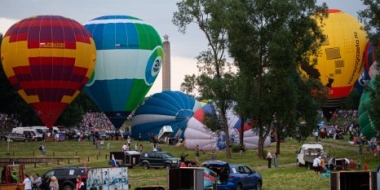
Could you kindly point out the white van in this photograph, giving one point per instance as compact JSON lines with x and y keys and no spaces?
{"x":29,"y":132}
{"x":307,"y":153}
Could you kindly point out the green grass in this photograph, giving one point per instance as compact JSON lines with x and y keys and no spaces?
{"x":287,"y":176}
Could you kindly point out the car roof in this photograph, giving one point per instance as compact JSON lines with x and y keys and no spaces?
{"x":214,"y":163}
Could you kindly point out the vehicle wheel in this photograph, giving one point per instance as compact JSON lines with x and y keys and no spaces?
{"x":67,"y":187}
{"x":145,"y":166}
{"x":258,"y":185}
{"x":239,"y":187}
{"x":167,"y":166}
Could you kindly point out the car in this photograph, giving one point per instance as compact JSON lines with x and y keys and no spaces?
{"x":4,"y":136}
{"x":16,"y":137}
{"x":104,"y":135}
{"x":234,"y":176}
{"x":66,"y":176}
{"x":158,"y":159}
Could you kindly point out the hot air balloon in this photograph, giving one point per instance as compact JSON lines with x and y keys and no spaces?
{"x":340,"y":60}
{"x":367,"y":128}
{"x":48,"y":59}
{"x":370,"y":67}
{"x":197,"y":133}
{"x":173,"y":108}
{"x":129,"y":58}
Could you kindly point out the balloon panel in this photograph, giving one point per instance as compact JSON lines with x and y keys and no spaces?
{"x":130,"y":55}
{"x":48,"y":60}
{"x":197,"y":133}
{"x":364,"y":117}
{"x":340,"y":58}
{"x":172,"y":108}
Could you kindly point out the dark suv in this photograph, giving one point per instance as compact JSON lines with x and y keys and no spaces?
{"x":67,"y":176}
{"x":157,"y":159}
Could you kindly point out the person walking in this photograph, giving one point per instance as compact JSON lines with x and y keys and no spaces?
{"x":316,"y":164}
{"x":269,"y":158}
{"x":275,"y":159}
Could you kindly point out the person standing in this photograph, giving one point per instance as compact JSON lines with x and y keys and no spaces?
{"x":139,"y":137}
{"x":275,"y":159}
{"x":197,"y":155}
{"x":53,"y":183}
{"x":316,"y":164}
{"x":269,"y":158}
{"x":37,"y":180}
{"x":79,"y":185}
{"x":27,"y":182}
{"x":141,"y":148}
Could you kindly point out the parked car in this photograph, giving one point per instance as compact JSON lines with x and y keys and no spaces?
{"x":16,"y":137}
{"x":158,"y":159}
{"x":4,"y":136}
{"x":67,"y":176}
{"x":104,"y":135}
{"x":330,"y":131}
{"x":234,"y":176}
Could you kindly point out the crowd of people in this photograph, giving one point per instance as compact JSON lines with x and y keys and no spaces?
{"x":7,"y":121}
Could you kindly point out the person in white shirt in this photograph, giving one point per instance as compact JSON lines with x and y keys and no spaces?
{"x":27,"y":182}
{"x":37,"y":180}
{"x":269,"y":158}
{"x":316,"y":164}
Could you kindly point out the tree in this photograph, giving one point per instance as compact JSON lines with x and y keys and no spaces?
{"x":269,"y":40}
{"x":213,"y":83}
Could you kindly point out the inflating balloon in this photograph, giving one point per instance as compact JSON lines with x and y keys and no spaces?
{"x":129,"y":58}
{"x":367,"y":128}
{"x":48,"y":59}
{"x":197,"y":133}
{"x":173,"y":108}
{"x":340,"y":60}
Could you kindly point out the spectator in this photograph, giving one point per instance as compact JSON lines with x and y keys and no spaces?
{"x":27,"y":182}
{"x":269,"y":158}
{"x":42,"y":148}
{"x":37,"y":181}
{"x":53,"y":185}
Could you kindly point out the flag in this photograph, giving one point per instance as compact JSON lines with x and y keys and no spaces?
{"x":113,"y":161}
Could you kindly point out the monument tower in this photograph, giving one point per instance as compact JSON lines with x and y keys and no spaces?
{"x":166,"y":65}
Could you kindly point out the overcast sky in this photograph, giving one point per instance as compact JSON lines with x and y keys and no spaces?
{"x":159,"y":13}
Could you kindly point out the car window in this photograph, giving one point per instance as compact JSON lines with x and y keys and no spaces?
{"x":233,"y":170}
{"x":246,"y":169}
{"x":50,"y":173}
{"x":151,"y":155}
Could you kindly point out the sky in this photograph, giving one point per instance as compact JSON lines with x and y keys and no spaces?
{"x":158,"y":13}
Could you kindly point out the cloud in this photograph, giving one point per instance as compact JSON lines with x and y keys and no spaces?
{"x":6,"y":23}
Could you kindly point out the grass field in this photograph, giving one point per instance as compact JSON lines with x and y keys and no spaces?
{"x":287,"y":176}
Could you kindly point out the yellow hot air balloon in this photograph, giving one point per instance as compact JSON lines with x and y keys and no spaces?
{"x":340,"y":59}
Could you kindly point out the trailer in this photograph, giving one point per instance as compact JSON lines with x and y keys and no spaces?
{"x":108,"y":178}
{"x":308,"y":152}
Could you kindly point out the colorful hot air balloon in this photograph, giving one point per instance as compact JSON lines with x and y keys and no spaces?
{"x":172,"y":108}
{"x":129,"y":58}
{"x":48,"y":59}
{"x":340,"y":61}
{"x":197,"y":133}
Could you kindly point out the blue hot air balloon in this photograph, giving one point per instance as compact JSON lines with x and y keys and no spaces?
{"x":173,"y":108}
{"x":129,"y":58}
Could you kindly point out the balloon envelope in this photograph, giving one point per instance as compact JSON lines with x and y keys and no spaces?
{"x":48,"y":59}
{"x":197,"y":133}
{"x":340,"y":60}
{"x":172,"y":108}
{"x":129,"y":58}
{"x":364,"y":118}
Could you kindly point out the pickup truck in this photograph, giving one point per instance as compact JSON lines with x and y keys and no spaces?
{"x":307,"y":153}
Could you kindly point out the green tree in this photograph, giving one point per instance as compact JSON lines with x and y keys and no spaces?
{"x":269,"y":40}
{"x":213,"y":82}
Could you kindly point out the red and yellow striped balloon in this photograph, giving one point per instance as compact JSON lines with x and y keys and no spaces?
{"x":48,"y":59}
